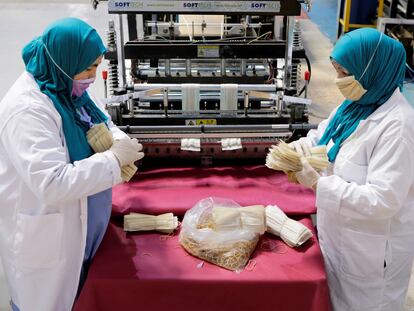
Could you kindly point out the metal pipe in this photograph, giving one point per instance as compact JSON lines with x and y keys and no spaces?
{"x":217,"y":128}
{"x":121,"y":50}
{"x":167,"y":68}
{"x":164,"y":24}
{"x":205,"y":87}
{"x":246,"y":102}
{"x":188,"y":67}
{"x":223,"y":67}
{"x":279,"y":106}
{"x":165,"y":101}
{"x":288,"y":51}
{"x":243,"y":63}
{"x":130,"y":105}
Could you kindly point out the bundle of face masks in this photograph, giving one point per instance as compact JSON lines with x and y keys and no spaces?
{"x":292,"y":232}
{"x":283,"y":158}
{"x":224,"y":233}
{"x":165,"y":223}
{"x":219,"y":231}
{"x":100,"y":139}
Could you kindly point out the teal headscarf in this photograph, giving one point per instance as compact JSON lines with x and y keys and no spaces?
{"x":74,"y":46}
{"x":383,"y":75}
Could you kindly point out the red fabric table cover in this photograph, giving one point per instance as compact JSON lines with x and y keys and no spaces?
{"x":142,"y":271}
{"x":176,"y":190}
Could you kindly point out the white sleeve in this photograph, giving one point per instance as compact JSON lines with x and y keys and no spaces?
{"x":389,"y":178}
{"x":35,"y":147}
{"x":314,"y":136}
{"x":116,"y":132}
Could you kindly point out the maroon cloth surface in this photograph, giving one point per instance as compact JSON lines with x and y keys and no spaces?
{"x":176,"y":190}
{"x":147,"y":271}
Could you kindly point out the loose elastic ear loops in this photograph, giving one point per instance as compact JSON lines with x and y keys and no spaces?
{"x":273,"y":246}
{"x":251,"y":265}
{"x":372,"y":57}
{"x":53,"y":61}
{"x":369,"y":62}
{"x":165,"y":237}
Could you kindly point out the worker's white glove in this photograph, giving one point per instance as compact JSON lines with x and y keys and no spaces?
{"x":99,"y":137}
{"x":127,"y":151}
{"x":307,"y":177}
{"x":301,"y":147}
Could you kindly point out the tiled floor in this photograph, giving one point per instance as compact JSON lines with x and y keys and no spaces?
{"x":324,"y":14}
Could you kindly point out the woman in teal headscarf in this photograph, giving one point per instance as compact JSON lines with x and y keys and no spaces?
{"x":365,"y":203}
{"x":56,"y":192}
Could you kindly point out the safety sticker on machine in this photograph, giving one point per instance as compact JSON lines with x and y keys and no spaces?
{"x":201,"y":122}
{"x":208,"y":51}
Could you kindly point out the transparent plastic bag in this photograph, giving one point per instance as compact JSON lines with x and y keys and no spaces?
{"x":230,"y":249}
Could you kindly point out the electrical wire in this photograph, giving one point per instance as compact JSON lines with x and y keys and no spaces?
{"x":261,"y":36}
{"x":310,"y":74}
{"x":410,"y":72}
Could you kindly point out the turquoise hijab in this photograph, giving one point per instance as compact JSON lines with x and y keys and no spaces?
{"x":383,"y":74}
{"x":74,"y":46}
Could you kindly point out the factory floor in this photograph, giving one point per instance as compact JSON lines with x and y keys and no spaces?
{"x":22,"y":20}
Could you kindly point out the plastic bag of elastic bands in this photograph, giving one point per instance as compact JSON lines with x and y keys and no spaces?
{"x":222,"y":232}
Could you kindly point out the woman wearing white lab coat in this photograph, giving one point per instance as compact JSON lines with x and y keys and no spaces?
{"x":48,"y":173}
{"x":365,"y":205}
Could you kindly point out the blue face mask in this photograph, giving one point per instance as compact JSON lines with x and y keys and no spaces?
{"x":80,"y":86}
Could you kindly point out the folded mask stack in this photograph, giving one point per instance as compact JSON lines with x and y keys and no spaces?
{"x":100,"y":139}
{"x":224,"y":233}
{"x":165,"y":223}
{"x":284,"y":158}
{"x":292,"y":232}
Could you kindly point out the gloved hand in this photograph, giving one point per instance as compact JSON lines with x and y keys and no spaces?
{"x":307,"y":177}
{"x":99,"y":137}
{"x":127,"y":151}
{"x":301,"y":147}
{"x":127,"y":171}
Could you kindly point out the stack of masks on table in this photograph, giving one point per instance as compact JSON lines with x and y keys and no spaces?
{"x":226,"y":234}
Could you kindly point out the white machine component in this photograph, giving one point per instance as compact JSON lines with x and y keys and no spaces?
{"x":228,"y":97}
{"x":190,"y":97}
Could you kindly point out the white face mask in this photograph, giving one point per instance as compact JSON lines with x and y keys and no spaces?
{"x":350,"y":87}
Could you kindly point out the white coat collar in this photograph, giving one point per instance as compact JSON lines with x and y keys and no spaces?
{"x":384,"y":109}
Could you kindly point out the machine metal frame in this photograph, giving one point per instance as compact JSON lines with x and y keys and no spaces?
{"x":263,"y":60}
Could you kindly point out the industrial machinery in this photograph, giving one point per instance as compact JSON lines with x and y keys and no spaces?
{"x":207,"y":79}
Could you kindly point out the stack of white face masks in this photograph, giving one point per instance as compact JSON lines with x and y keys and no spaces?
{"x":283,"y":158}
{"x":259,"y":219}
{"x":250,"y":218}
{"x":100,"y":139}
{"x":292,"y":232}
{"x":165,"y":223}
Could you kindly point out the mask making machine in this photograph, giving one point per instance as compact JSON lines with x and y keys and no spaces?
{"x":207,"y":79}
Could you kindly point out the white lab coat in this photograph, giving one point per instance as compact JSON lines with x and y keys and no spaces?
{"x":365,"y":211}
{"x":43,"y":200}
